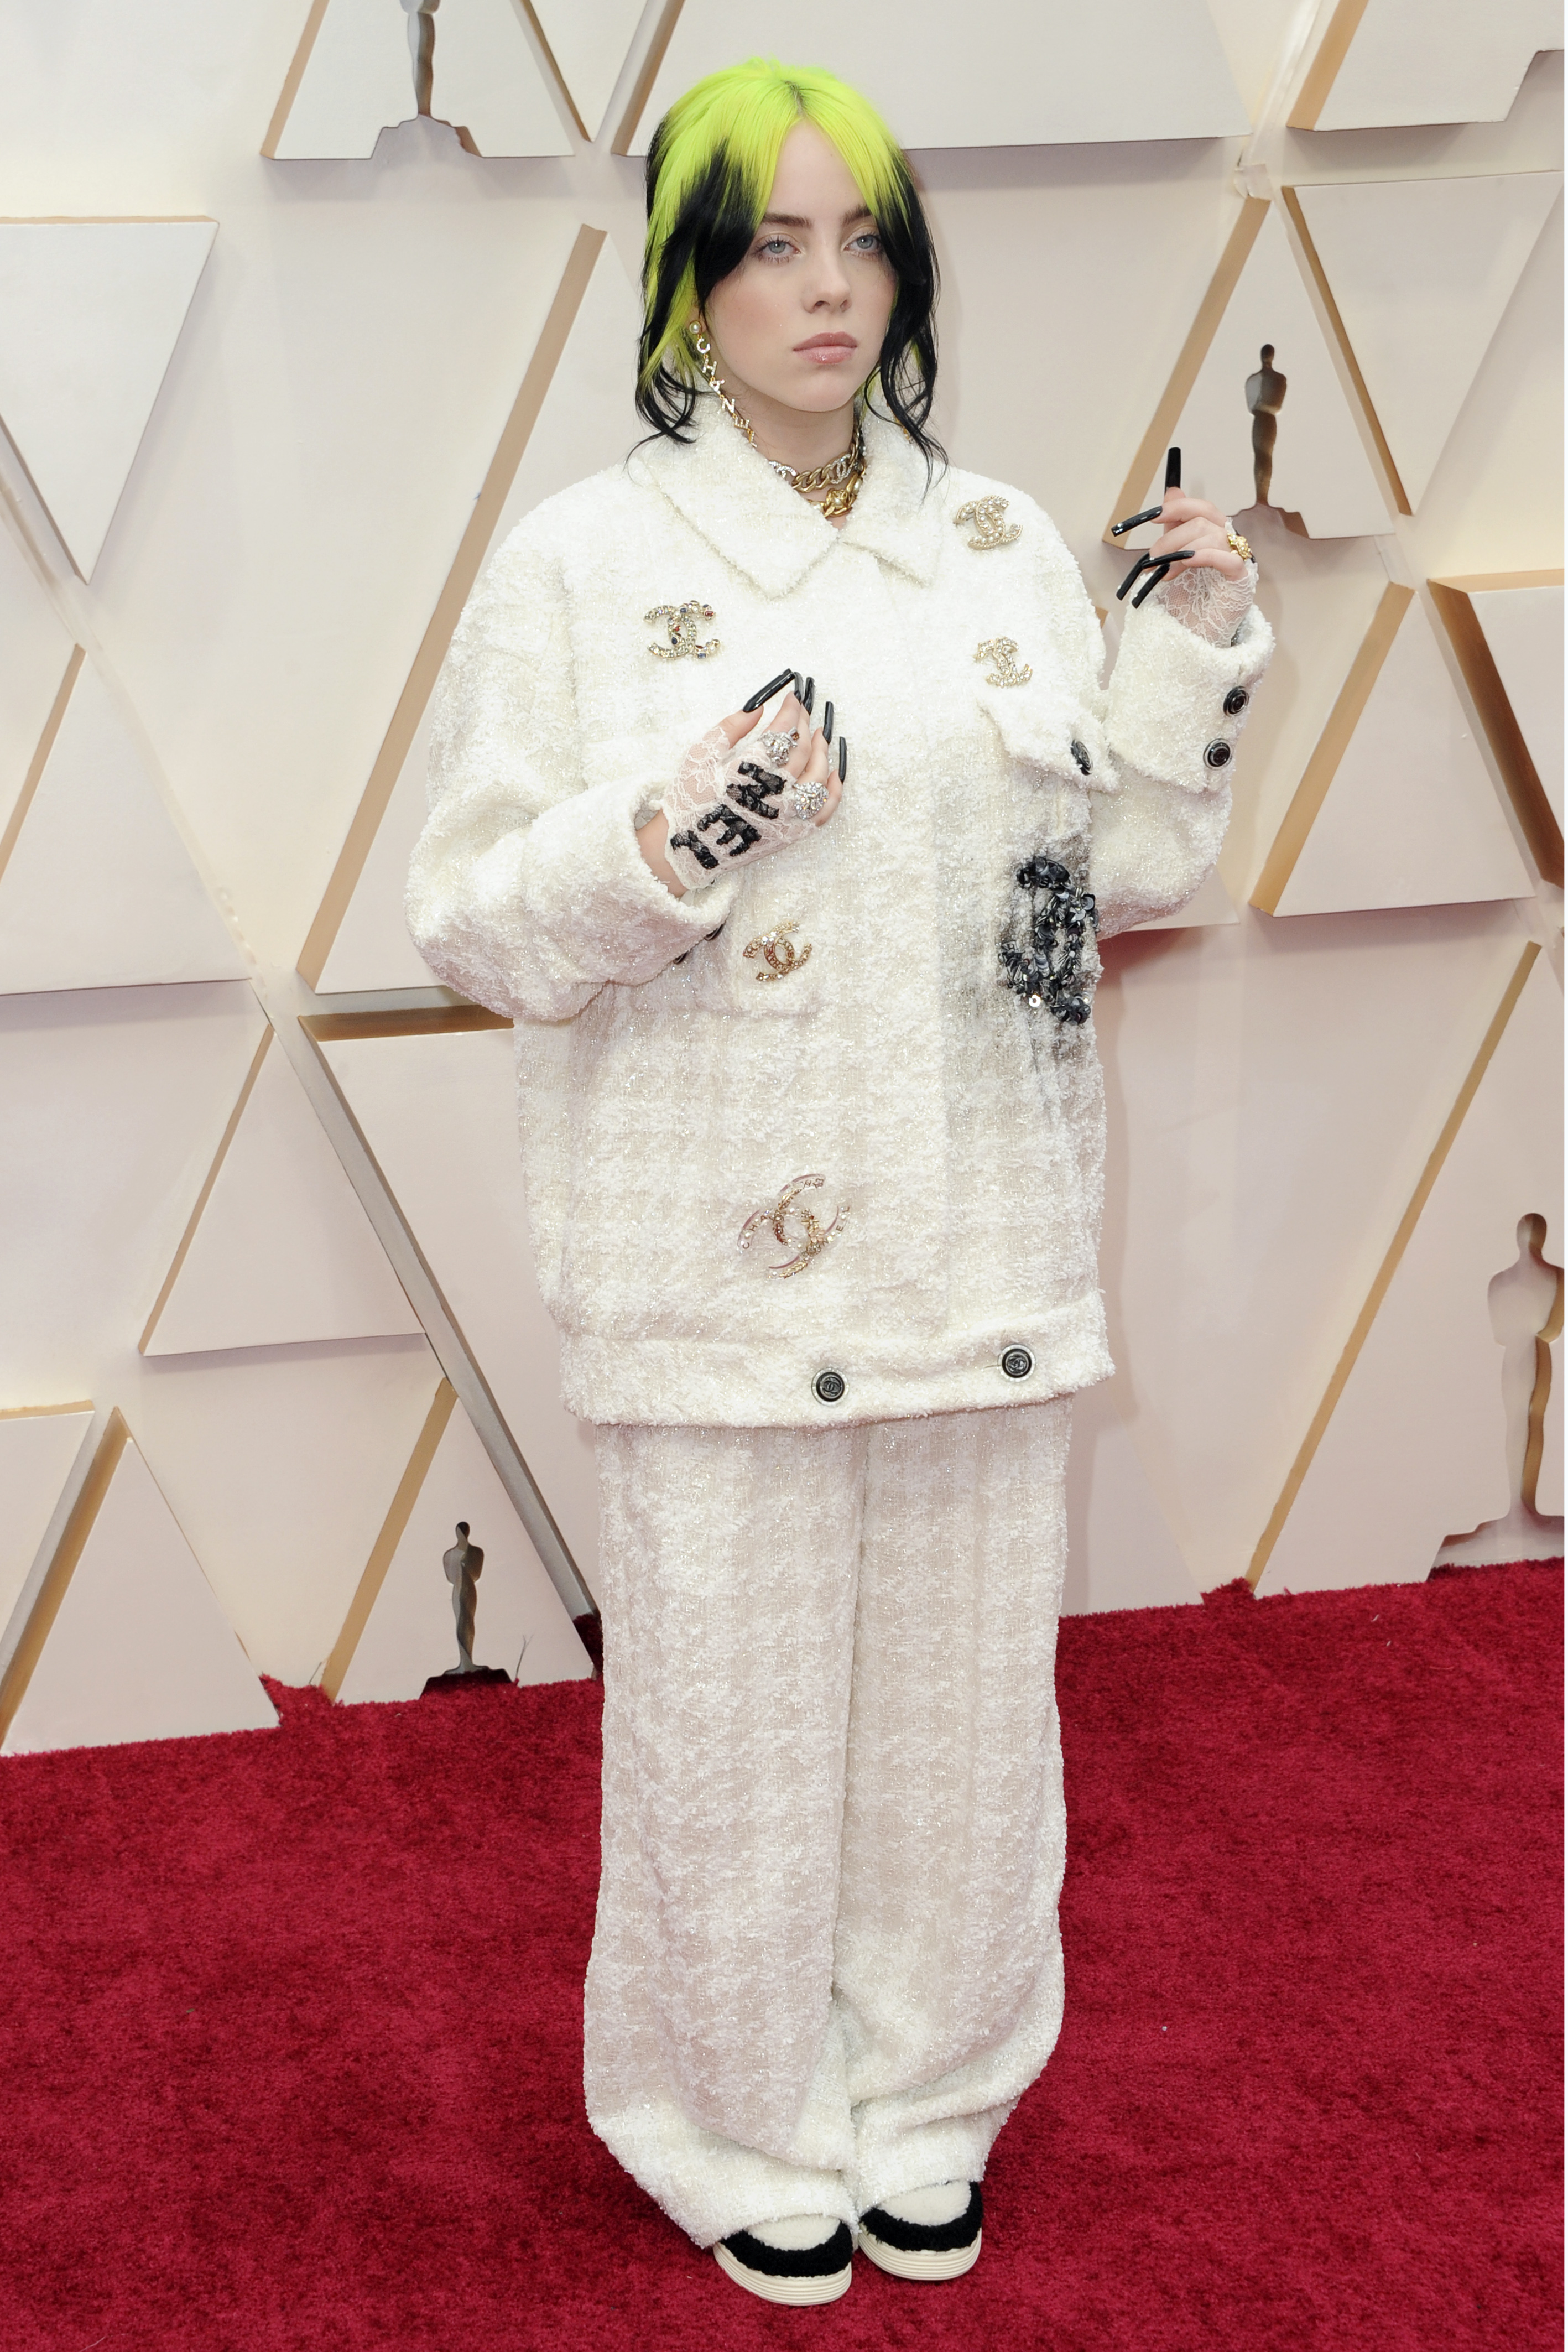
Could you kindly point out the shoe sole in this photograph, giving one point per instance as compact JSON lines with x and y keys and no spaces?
{"x":797,"y":2291}
{"x":912,"y":2264}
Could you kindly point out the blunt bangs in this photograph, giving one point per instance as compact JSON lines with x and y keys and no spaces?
{"x":711,"y":169}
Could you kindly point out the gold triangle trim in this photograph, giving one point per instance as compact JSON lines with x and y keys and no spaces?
{"x":40,"y":759}
{"x":427,"y":661}
{"x":1542,"y":833}
{"x":374,"y":1575}
{"x":1347,"y":349}
{"x":79,"y":1525}
{"x":642,"y":88}
{"x":1332,"y":745}
{"x":292,"y":80}
{"x":189,"y":1236}
{"x":43,"y":1411}
{"x":1323,"y":71}
{"x":1190,"y":359}
{"x":1390,"y":1266}
{"x":405,"y":1021}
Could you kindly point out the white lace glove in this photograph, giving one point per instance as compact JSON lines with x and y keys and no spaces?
{"x":1204,"y":601}
{"x":732,"y":806}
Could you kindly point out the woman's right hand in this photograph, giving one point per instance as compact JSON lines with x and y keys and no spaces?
{"x":735,"y":802}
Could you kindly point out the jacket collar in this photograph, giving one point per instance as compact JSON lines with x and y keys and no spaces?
{"x":758,"y":524}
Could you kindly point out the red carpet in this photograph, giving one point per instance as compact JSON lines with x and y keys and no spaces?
{"x":293,"y":2035}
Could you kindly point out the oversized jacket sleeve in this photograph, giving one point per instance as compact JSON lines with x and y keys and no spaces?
{"x":1156,"y":833}
{"x":528,"y":890}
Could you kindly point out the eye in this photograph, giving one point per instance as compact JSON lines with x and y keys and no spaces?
{"x":868,"y":241}
{"x":774,"y":249}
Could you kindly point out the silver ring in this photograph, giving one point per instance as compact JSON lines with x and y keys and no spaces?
{"x":779,"y":747}
{"x":809,"y":800}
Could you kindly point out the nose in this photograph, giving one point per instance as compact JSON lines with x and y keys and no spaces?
{"x":830,"y":285}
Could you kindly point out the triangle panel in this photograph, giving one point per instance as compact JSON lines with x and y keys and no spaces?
{"x":91,"y":312}
{"x":138,"y":1648}
{"x":1410,"y":61}
{"x":1421,"y":272}
{"x":1319,"y":469}
{"x":1125,"y":69}
{"x":280,"y":1250}
{"x":356,"y":78}
{"x":98,"y":891}
{"x":1415,"y":1449}
{"x":519,"y":1621}
{"x":1410,"y":817}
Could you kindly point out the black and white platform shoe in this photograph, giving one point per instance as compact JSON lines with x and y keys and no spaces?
{"x":931,"y":2233}
{"x":795,"y":2263}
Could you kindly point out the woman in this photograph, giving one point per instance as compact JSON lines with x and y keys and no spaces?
{"x":812,"y":1128}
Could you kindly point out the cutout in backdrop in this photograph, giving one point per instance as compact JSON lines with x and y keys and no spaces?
{"x":1396,"y":807}
{"x":126,"y":1640}
{"x":576,"y":418}
{"x":363,"y":66}
{"x":97,"y":888}
{"x":1416,"y":275}
{"x":401,"y":1629}
{"x":1255,"y":402}
{"x":39,"y":1447}
{"x":278,"y":1247}
{"x":1409,"y":1442}
{"x":435,"y":1099}
{"x":1051,"y":73}
{"x":89,"y":315}
{"x":1389,"y":61}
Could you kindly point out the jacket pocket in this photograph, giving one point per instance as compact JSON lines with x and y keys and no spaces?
{"x":1056,"y":735}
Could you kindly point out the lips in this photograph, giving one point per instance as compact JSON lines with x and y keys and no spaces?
{"x":828,"y":344}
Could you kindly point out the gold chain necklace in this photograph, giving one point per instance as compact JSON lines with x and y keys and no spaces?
{"x":841,"y":479}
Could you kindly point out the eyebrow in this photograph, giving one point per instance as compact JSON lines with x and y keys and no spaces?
{"x":798,"y":220}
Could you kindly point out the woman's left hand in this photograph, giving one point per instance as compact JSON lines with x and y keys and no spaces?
{"x":1193,"y":522}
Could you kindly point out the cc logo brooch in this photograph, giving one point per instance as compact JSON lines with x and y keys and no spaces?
{"x":779,"y":953}
{"x":986,"y":514}
{"x":798,"y":1230}
{"x":682,"y":628}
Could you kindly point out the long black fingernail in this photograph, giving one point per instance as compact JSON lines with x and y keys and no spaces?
{"x":826,"y":722}
{"x":1142,"y":564}
{"x":1150,"y":514}
{"x":808,"y":695}
{"x":800,"y":684}
{"x":1173,"y":470}
{"x":1152,"y":582}
{"x":766,"y":693}
{"x":843,"y":757}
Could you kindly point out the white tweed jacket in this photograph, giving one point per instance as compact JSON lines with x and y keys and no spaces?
{"x":795,"y":1151}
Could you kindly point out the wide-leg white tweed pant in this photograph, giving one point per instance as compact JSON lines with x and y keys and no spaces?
{"x":826,"y":1962}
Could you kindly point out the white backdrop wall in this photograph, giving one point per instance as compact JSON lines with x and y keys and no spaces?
{"x":279,"y":363}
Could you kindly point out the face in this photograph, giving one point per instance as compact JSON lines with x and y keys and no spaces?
{"x":801,"y":321}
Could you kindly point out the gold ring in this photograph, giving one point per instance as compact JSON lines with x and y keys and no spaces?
{"x":1241,"y":546}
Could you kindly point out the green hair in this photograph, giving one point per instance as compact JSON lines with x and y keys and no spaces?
{"x":711,"y":170}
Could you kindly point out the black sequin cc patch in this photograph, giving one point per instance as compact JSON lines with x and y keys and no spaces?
{"x":1049,"y":958}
